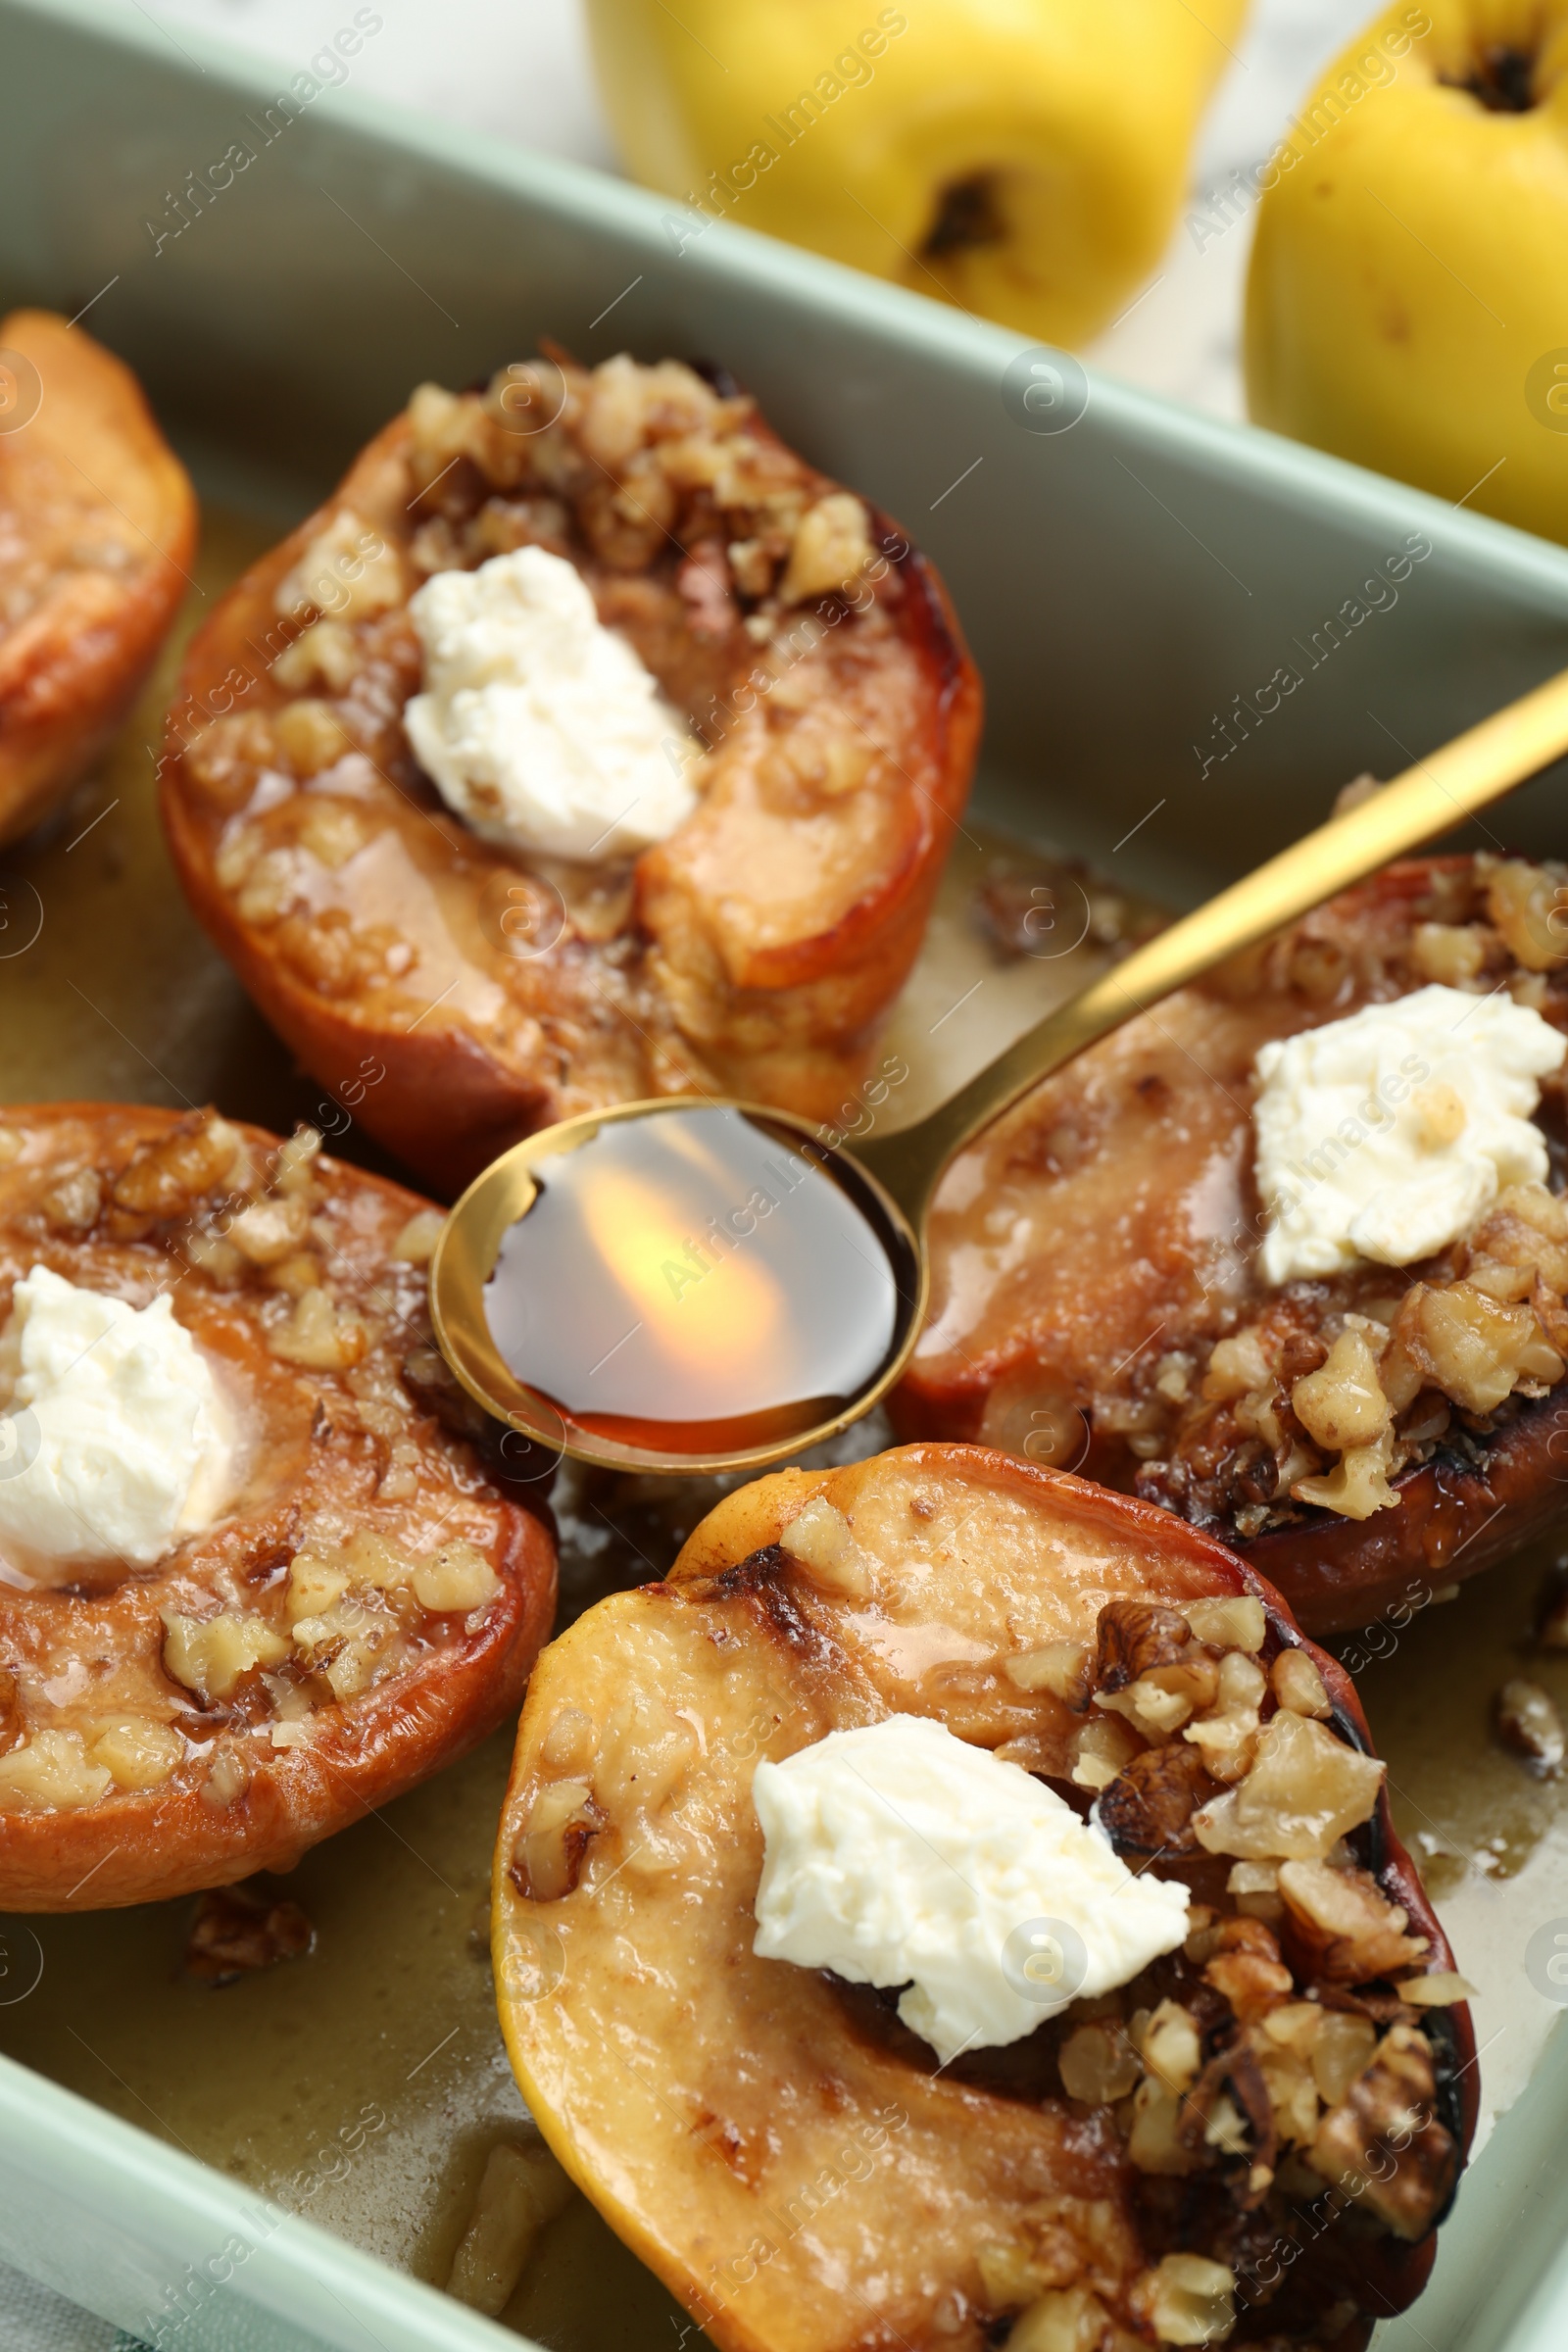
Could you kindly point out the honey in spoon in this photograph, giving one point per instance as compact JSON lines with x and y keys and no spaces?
{"x":811,"y":1316}
{"x":689,"y":1281}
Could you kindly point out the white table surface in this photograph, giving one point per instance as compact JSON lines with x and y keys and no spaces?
{"x":519,"y":69}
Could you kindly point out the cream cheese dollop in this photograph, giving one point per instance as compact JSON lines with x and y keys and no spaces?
{"x":1384,"y":1136}
{"x":540,"y":726}
{"x":116,"y":1442}
{"x":898,"y":1854}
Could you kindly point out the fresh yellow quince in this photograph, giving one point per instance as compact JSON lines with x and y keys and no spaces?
{"x":1022,"y":157}
{"x":1408,"y":299}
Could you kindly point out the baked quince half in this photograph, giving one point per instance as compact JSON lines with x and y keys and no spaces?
{"x":1367,"y":1427}
{"x":1250,"y":2137}
{"x":250,"y":1586}
{"x":587,"y":745}
{"x":97,"y":534}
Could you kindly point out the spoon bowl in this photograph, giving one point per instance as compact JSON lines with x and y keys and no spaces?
{"x":677,"y":1286}
{"x":693,"y":1284}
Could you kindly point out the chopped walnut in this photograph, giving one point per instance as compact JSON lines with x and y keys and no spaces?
{"x":1149,"y":1807}
{"x":1069,"y":2320}
{"x":1098,"y":2064}
{"x":1299,"y":1685}
{"x":1528,"y":1722}
{"x":1305,"y":1790}
{"x":138,"y":1751}
{"x":1347,"y":1928}
{"x":820,"y":1538}
{"x":1133,"y":1638}
{"x":1227,"y":1735}
{"x":1239,"y":1623}
{"x":1255,"y":1887}
{"x":270,"y":1230}
{"x":1236,"y":1366}
{"x":226,"y":759}
{"x":228,"y":1776}
{"x":548,"y":1854}
{"x":212,"y":1655}
{"x":1154,"y":2143}
{"x":1187,"y":2299}
{"x":345,"y":572}
{"x":1160,"y":1701}
{"x":1471,"y":1347}
{"x":271,"y":887}
{"x":1245,"y":1965}
{"x":416,"y":1244}
{"x":1063,"y":1668}
{"x":51,"y":1772}
{"x":1358,"y":1485}
{"x":319,"y":1333}
{"x":328,"y":652}
{"x":1382,"y":2142}
{"x":73,"y":1204}
{"x":1529,"y":904}
{"x":310,"y":736}
{"x":832,"y":549}
{"x":166,"y":1178}
{"x":1101,"y":1750}
{"x":236,"y":1932}
{"x":331,"y":832}
{"x":1171,"y":2046}
{"x":336,"y":955}
{"x":1437,"y":1991}
{"x":1342,"y":1404}
{"x":1450,"y":954}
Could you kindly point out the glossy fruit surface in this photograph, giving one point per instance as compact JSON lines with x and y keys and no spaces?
{"x":368,"y":1601}
{"x":1098,"y":1301}
{"x":786,"y":2155}
{"x":754,"y":950}
{"x":100,"y":537}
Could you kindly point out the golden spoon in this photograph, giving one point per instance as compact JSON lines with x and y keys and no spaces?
{"x":625,"y":1325}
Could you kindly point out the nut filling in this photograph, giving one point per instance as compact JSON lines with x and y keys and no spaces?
{"x":1098,"y":1301}
{"x":368,"y":1601}
{"x":807,"y":648}
{"x":1250,"y":2140}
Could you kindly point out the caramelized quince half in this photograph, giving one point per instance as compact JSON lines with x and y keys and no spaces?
{"x":362,"y":1598}
{"x":1254,"y":2139}
{"x":809,"y":649}
{"x":1099,"y":1302}
{"x":97,"y":534}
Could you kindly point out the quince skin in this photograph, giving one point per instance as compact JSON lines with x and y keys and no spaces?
{"x":1408,"y":299}
{"x":1023,"y":159}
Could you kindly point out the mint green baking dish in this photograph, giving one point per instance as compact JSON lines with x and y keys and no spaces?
{"x":1184,"y":656}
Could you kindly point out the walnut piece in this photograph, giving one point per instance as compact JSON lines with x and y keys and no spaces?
{"x":1528,"y":1722}
{"x":236,"y":1932}
{"x":1383,"y":2144}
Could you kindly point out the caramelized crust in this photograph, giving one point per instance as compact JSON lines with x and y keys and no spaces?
{"x":753,"y":951}
{"x":370,"y":1602}
{"x":1240,"y":2128}
{"x":97,"y":535}
{"x":1097,"y":1301}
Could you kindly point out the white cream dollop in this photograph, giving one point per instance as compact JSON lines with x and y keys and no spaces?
{"x":1384,"y":1136}
{"x":540,"y":726}
{"x":898,"y":1854}
{"x":116,"y":1442}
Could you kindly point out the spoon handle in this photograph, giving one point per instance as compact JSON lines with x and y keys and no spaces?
{"x":1428,"y":799}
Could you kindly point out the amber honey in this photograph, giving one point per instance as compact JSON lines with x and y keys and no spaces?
{"x":699,"y":1280}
